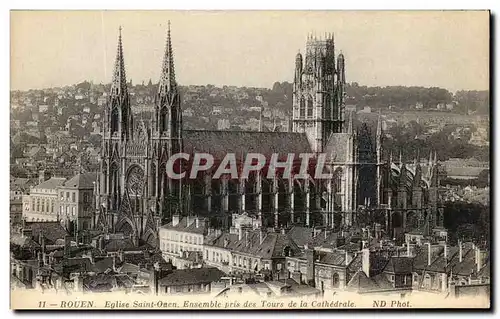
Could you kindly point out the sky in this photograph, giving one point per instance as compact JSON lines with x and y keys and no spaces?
{"x":448,"y":49}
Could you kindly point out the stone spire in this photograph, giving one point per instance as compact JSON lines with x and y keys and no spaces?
{"x":167,"y":78}
{"x":119,"y":81}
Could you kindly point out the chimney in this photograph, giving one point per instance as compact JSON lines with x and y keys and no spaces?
{"x":348,"y":258}
{"x":283,"y":230}
{"x":26,"y":232}
{"x":41,"y":176}
{"x":100,"y":243}
{"x":446,"y":253}
{"x":240,"y":233}
{"x":408,"y":251}
{"x":197,"y":221}
{"x":429,"y":254}
{"x":114,"y":263}
{"x":226,"y":242}
{"x":479,"y":259}
{"x":261,"y":236}
{"x":39,"y":257}
{"x":67,"y":246}
{"x":460,"y":252}
{"x":378,"y":231}
{"x":175,"y":220}
{"x":246,"y":237}
{"x":316,"y":231}
{"x":310,"y":256}
{"x":366,"y":261}
{"x":43,"y":244}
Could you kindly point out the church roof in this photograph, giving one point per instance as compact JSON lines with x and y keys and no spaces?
{"x":219,"y":143}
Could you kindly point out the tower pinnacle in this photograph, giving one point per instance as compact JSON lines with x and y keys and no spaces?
{"x":379,"y":124}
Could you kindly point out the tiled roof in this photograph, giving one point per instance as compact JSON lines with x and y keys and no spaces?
{"x":468,"y":264}
{"x":301,"y":235}
{"x":73,"y":265}
{"x":51,"y":183}
{"x":355,"y":264}
{"x":336,"y":258}
{"x":141,"y":259}
{"x":22,"y":241}
{"x":361,"y":283}
{"x":81,"y":181}
{"x":129,"y":268}
{"x":219,"y":143}
{"x":184,"y":227}
{"x":99,"y":283}
{"x":52,"y":231}
{"x":399,"y":265}
{"x":21,"y":184}
{"x":103,"y":264}
{"x":325,"y":239}
{"x":439,"y":264}
{"x":119,"y":244}
{"x":124,"y":281}
{"x":181,"y":277}
{"x":220,"y":240}
{"x":273,"y":245}
{"x":382,"y":282}
{"x":485,"y":271}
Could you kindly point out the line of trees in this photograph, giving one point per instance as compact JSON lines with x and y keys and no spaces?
{"x":404,"y":97}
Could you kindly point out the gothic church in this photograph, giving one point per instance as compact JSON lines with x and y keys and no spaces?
{"x":134,"y":196}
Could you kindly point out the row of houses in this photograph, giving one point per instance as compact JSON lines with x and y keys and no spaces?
{"x":326,"y":260}
{"x":69,"y":201}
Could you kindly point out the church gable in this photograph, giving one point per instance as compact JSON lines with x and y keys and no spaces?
{"x":337,"y":146}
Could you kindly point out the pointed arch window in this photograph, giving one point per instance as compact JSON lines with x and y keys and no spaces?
{"x":302,"y":107}
{"x":337,"y":189}
{"x":114,"y":183}
{"x":164,"y":120}
{"x":310,"y":107}
{"x":114,"y":120}
{"x":153,"y":173}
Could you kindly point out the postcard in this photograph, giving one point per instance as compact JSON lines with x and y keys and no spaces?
{"x":250,"y":160}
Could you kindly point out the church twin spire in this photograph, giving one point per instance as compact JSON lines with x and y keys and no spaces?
{"x":167,"y":79}
{"x":119,"y":81}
